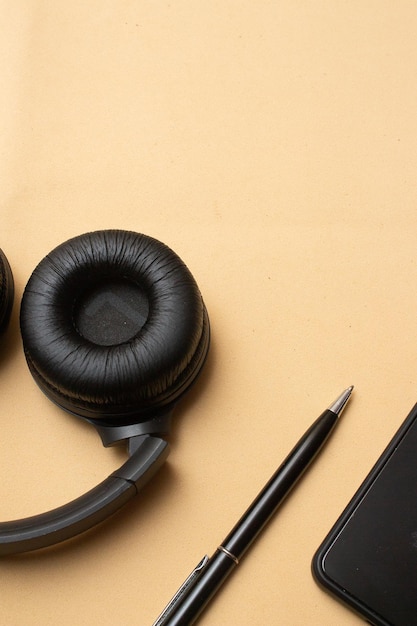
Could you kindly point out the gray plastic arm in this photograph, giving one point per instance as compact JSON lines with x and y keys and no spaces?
{"x":46,"y":529}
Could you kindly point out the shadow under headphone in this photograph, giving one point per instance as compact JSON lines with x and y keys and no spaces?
{"x":114,"y":331}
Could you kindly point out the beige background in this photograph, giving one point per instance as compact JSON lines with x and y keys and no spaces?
{"x":273,"y":146}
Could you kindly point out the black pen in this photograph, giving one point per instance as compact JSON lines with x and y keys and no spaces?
{"x":203,"y":582}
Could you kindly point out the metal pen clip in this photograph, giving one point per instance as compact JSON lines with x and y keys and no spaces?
{"x":181,"y":591}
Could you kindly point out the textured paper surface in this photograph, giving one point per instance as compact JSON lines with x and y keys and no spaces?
{"x":273,"y":146}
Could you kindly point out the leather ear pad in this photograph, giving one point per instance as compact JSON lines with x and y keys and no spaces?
{"x":6,"y":291}
{"x":113,"y":326}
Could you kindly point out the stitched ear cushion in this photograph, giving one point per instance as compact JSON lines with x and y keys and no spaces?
{"x":6,"y":291}
{"x":113,"y":326}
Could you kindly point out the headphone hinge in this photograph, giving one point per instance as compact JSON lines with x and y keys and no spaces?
{"x":111,"y":434}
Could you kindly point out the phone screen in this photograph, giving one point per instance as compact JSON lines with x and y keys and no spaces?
{"x":369,"y":558}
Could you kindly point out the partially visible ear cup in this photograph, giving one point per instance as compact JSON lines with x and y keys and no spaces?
{"x":6,"y":291}
{"x":113,"y":326}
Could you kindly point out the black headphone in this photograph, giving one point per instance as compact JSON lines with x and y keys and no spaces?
{"x":114,"y":331}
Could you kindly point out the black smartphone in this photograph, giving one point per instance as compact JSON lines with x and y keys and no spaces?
{"x":369,"y":558}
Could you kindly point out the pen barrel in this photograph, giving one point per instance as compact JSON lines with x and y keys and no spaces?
{"x":195,"y":600}
{"x":279,"y":486}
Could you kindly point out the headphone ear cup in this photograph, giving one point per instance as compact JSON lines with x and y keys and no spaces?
{"x":6,"y":291}
{"x":113,"y":326}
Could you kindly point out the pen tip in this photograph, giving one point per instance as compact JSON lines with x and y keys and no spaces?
{"x":339,"y":404}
